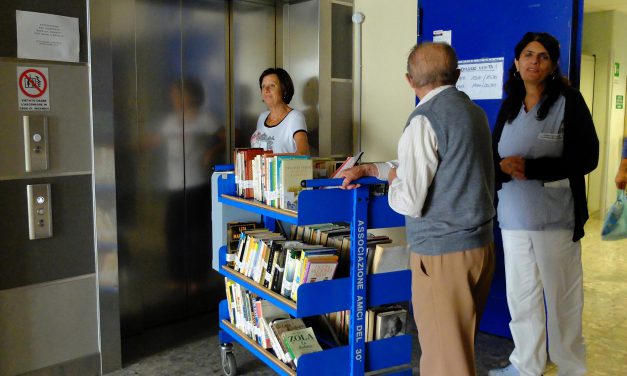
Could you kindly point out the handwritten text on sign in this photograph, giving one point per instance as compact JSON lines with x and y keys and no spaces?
{"x":481,"y":78}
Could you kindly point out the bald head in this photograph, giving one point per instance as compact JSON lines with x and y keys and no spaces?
{"x":432,"y":64}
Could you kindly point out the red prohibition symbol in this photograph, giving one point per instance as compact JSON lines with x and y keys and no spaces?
{"x":36,"y":82}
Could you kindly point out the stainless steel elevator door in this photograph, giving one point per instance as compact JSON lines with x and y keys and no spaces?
{"x":170,"y":122}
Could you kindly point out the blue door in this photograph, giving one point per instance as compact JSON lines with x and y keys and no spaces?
{"x":489,"y":29}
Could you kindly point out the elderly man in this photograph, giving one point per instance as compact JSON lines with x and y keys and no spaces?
{"x":443,"y":183}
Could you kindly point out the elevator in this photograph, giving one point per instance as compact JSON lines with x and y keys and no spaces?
{"x":161,"y":92}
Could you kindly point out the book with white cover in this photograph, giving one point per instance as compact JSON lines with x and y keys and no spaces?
{"x":390,"y":258}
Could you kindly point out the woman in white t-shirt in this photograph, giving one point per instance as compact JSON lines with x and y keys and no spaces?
{"x":281,"y":129}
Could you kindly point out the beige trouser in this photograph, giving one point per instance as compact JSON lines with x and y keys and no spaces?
{"x":449,"y":293}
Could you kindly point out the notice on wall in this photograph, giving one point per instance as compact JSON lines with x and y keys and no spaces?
{"x":481,"y":78}
{"x":442,"y":36}
{"x":33,"y":89}
{"x":47,"y":36}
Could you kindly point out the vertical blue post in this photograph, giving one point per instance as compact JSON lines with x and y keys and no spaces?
{"x":359,"y":233}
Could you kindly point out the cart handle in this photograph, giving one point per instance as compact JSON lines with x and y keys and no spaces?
{"x":317,"y":183}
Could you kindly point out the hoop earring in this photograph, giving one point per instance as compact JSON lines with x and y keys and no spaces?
{"x":517,"y":75}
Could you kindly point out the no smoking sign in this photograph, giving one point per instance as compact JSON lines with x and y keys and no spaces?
{"x":33,"y":89}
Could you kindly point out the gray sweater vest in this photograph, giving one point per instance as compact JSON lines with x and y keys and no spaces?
{"x":457,"y":214}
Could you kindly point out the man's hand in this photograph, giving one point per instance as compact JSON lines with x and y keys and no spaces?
{"x":355,"y":173}
{"x":621,"y":175}
{"x":514,"y":166}
{"x":391,"y":175}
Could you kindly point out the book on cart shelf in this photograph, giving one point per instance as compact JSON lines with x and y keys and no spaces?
{"x":243,"y":158}
{"x":323,"y":168}
{"x":267,"y":313}
{"x":292,"y":172}
{"x":385,"y":321}
{"x":299,"y":342}
{"x":389,"y":257}
{"x":324,"y":261}
{"x":390,"y":323}
{"x":255,"y":252}
{"x":233,"y":234}
{"x":281,"y":326}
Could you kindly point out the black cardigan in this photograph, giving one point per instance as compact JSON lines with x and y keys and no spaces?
{"x":579,"y":157}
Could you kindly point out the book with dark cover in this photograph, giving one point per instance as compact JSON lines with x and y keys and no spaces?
{"x":233,"y":232}
{"x":325,"y":332}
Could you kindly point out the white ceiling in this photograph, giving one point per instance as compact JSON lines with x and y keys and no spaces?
{"x":601,"y":5}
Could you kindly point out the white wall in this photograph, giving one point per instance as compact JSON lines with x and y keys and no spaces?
{"x":603,"y":37}
{"x":389,"y":32}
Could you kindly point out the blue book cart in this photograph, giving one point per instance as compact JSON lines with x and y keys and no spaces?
{"x":355,"y":293}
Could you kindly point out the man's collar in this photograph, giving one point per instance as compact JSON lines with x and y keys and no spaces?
{"x":433,"y":93}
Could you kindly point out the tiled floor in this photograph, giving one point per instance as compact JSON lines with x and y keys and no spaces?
{"x":162,"y":352}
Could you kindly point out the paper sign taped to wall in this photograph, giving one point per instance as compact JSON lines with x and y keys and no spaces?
{"x":481,"y":78}
{"x":47,"y":36}
{"x":443,"y":36}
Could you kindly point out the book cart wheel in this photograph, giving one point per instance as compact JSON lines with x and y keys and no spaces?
{"x":229,"y":366}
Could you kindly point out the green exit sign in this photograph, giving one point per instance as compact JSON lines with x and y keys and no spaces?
{"x":619,"y":102}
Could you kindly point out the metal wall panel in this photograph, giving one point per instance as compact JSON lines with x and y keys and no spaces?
{"x":204,"y":32}
{"x":301,"y":60}
{"x":342,"y":41}
{"x":153,"y":247}
{"x":253,"y":40}
{"x":46,"y":324}
{"x":342,"y":115}
{"x":125,"y":136}
{"x":69,"y":125}
{"x":68,"y":253}
{"x":104,"y":177}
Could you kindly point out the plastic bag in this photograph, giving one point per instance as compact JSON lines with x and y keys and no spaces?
{"x":615,"y":225}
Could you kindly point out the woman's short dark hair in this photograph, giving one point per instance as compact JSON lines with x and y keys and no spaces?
{"x":555,"y":83}
{"x":287,"y":86}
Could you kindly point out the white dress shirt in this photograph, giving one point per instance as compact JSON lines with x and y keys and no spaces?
{"x":416,"y":165}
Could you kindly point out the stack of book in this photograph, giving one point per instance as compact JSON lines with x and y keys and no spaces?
{"x":389,"y":257}
{"x":313,"y":253}
{"x":269,"y":326}
{"x":274,"y":179}
{"x":282,"y":265}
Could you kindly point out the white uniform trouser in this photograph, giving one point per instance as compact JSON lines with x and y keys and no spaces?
{"x":549,"y":262}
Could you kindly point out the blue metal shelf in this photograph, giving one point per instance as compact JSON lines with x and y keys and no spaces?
{"x":354,"y":293}
{"x":318,"y":205}
{"x":336,"y":292}
{"x":331,"y":361}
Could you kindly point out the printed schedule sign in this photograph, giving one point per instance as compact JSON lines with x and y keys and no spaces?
{"x":481,"y":78}
{"x":47,"y":36}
